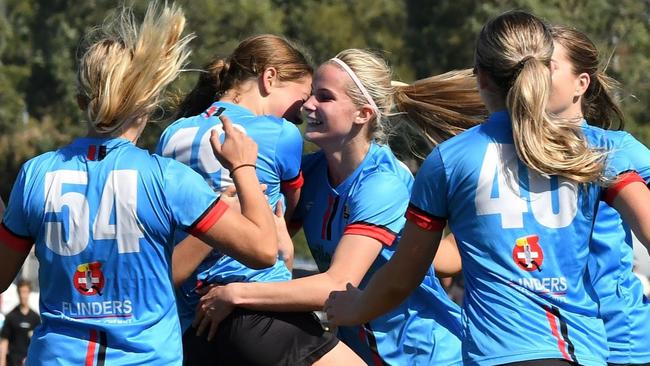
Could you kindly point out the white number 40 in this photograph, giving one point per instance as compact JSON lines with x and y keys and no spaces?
{"x":501,"y":164}
{"x":120,"y":192}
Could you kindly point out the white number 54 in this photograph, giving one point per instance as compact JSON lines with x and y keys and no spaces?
{"x":120,"y":192}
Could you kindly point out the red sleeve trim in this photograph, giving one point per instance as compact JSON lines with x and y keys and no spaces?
{"x":209,"y":218}
{"x":294,"y":183}
{"x":14,"y":241}
{"x":623,"y":180}
{"x":425,"y":220}
{"x":383,"y":234}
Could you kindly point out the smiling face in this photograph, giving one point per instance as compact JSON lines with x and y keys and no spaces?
{"x":287,"y":98}
{"x":329,"y":112}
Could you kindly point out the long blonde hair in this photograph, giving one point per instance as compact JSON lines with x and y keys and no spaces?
{"x":515,"y":50}
{"x":599,"y":103}
{"x":124,"y":71}
{"x":439,"y":107}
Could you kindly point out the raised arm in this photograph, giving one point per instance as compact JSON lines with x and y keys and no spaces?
{"x":249,"y":237}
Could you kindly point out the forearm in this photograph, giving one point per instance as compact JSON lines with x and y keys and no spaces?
{"x":4,"y":346}
{"x":254,"y":205}
{"x":187,"y":256}
{"x":303,"y":294}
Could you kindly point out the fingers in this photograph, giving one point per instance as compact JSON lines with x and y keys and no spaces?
{"x":214,"y":141}
{"x":227,"y":124}
{"x":204,"y":323}
{"x":230,"y":191}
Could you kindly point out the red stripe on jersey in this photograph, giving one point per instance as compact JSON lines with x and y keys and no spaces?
{"x":424,"y":220}
{"x":209,"y":218}
{"x":13,"y":241}
{"x":384,"y":235}
{"x":621,"y":182}
{"x":92,"y":150}
{"x":293,"y":184}
{"x":92,"y":344}
{"x":330,"y":202}
{"x":560,"y":342}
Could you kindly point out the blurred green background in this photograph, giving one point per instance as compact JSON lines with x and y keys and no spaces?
{"x":39,"y":42}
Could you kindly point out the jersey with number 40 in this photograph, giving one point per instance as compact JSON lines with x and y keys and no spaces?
{"x":278,"y":164}
{"x":102,"y":214}
{"x":524,"y":243}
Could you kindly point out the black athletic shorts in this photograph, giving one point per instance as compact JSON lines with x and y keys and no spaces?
{"x":260,"y":338}
{"x":543,"y":362}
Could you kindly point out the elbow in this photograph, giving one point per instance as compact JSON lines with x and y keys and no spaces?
{"x":263,"y":260}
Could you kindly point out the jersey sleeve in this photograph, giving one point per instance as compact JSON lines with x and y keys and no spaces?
{"x":637,"y":153}
{"x":14,"y":230}
{"x":194,"y":206}
{"x":620,"y":170}
{"x":428,"y":206}
{"x":288,"y":155}
{"x":377,"y":209}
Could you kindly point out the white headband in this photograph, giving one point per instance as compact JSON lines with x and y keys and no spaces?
{"x":356,"y":80}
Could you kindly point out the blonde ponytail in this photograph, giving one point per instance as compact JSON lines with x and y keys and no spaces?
{"x":122,"y":74}
{"x":441,"y":106}
{"x":553,"y":147}
{"x":514,"y":50}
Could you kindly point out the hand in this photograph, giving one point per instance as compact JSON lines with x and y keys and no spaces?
{"x":211,"y":310}
{"x":237,"y":148}
{"x":342,"y":306}
{"x":229,"y":196}
{"x":285,"y":244}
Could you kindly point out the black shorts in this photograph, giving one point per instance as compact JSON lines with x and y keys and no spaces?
{"x":260,"y":338}
{"x":543,"y":362}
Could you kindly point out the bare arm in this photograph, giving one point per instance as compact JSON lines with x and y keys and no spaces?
{"x":391,"y":284}
{"x":249,"y":237}
{"x":291,"y":198}
{"x":447,"y":262}
{"x":4,"y":347}
{"x":352,"y":259}
{"x":632,"y":202}
{"x":2,"y":208}
{"x":187,"y":256}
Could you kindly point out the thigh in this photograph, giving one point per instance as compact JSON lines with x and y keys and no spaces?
{"x":271,"y":338}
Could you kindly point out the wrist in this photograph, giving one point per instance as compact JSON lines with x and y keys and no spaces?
{"x":231,"y":294}
{"x":241,"y":167}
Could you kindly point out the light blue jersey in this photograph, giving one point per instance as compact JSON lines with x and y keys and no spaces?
{"x":102,"y":213}
{"x":623,"y":306}
{"x":371,"y":202}
{"x":278,"y":165}
{"x":524,"y":243}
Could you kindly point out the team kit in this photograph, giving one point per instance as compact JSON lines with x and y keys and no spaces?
{"x":184,"y":256}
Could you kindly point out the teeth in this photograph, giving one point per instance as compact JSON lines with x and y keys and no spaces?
{"x":311,"y":121}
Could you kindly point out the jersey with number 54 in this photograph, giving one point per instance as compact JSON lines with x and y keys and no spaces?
{"x":524,"y":242}
{"x":102,"y":213}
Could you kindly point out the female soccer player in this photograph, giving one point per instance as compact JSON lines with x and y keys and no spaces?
{"x":261,"y":87}
{"x":102,"y":212}
{"x":520,"y":195}
{"x":583,"y":92}
{"x":353,"y":203}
